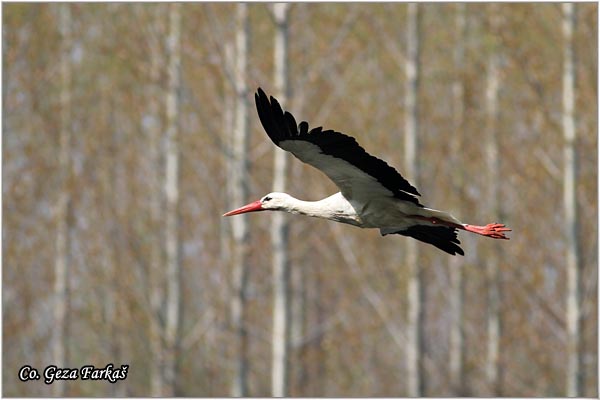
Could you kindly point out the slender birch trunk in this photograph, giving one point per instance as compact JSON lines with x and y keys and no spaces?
{"x":298,"y":375}
{"x":415,"y":340}
{"x":61,"y":263}
{"x":493,"y":367}
{"x":457,"y":344}
{"x":107,"y":213}
{"x":279,"y":223}
{"x":574,"y":346}
{"x":156,"y":278}
{"x":173,"y":263}
{"x":239,"y":194}
{"x":228,"y":127}
{"x":117,"y":187}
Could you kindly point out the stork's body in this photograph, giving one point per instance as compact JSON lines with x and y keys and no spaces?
{"x":373,"y":194}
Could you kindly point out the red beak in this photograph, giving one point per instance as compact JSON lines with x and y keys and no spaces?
{"x":255,"y":206}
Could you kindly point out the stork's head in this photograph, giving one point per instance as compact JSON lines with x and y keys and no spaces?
{"x":272,"y":201}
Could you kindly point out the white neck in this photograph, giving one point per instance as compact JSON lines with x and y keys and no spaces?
{"x":334,"y":207}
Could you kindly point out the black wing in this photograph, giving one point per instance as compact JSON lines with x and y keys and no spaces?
{"x":442,"y":237}
{"x":358,"y":174}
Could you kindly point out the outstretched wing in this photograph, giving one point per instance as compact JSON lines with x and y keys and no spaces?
{"x":358,"y":174}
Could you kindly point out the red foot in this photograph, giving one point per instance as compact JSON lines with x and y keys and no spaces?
{"x":490,"y":230}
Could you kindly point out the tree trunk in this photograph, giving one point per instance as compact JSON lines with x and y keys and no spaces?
{"x":574,"y":347}
{"x":239,"y":195}
{"x":457,"y":345}
{"x":415,"y":340}
{"x":173,"y":266}
{"x":108,"y":186}
{"x":279,"y":225}
{"x":298,"y":373}
{"x":61,"y":263}
{"x":228,"y":128}
{"x":156,"y":279}
{"x":493,"y":367}
{"x":117,"y":186}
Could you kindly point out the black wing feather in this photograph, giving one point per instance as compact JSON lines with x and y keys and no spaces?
{"x":442,"y":237}
{"x":303,"y":128}
{"x":281,"y":126}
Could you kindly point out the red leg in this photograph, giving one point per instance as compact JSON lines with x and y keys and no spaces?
{"x":494,"y":230}
{"x":490,"y":230}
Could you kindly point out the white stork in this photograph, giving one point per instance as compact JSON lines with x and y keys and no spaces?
{"x":372,"y":194}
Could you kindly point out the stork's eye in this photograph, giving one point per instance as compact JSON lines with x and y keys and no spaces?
{"x":267,"y":198}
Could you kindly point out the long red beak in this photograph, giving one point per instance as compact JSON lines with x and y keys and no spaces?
{"x":255,"y":206}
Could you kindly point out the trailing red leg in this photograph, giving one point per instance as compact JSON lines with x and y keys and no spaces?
{"x":495,"y":230}
{"x":490,"y":230}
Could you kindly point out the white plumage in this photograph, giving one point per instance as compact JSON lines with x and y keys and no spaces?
{"x":372,"y":194}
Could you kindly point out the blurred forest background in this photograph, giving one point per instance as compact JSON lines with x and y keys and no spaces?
{"x":129,"y":129}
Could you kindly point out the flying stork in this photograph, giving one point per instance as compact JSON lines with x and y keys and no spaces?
{"x":372,"y":194}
